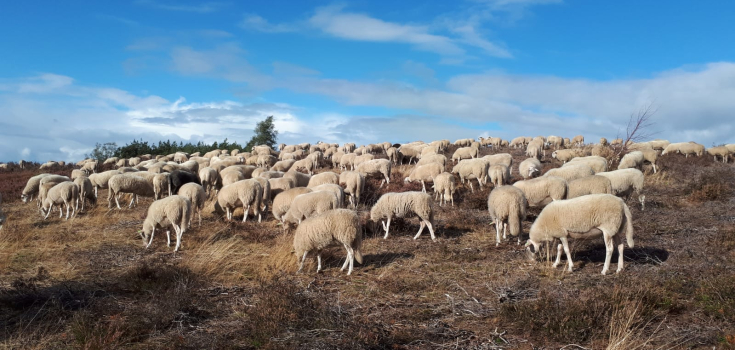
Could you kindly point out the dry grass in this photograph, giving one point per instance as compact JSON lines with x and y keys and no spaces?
{"x":88,"y":283}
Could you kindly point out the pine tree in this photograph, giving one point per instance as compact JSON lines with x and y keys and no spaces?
{"x":265,"y":134}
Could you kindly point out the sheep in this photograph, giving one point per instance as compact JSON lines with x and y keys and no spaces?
{"x":597,"y":163}
{"x":248,"y":193}
{"x":128,"y":183}
{"x":174,"y":209}
{"x":536,"y":149}
{"x":578,"y":141}
{"x":472,"y":169}
{"x":672,"y":148}
{"x":47,"y":182}
{"x":209,"y":178}
{"x":464,"y":153}
{"x":196,"y":195}
{"x":444,"y":186}
{"x":632,"y":160}
{"x":307,"y":205}
{"x":541,"y":190}
{"x":86,"y":191}
{"x":90,"y":166}
{"x":66,"y":193}
{"x":354,"y":184}
{"x":500,"y":158}
{"x":346,"y":161}
{"x":306,"y":163}
{"x":266,"y":196}
{"x":376,"y":166}
{"x":101,"y":180}
{"x":279,"y":185}
{"x":518,"y":142}
{"x":161,"y":182}
{"x":584,"y":217}
{"x":299,"y":179}
{"x":589,"y":185}
{"x":231,"y":177}
{"x":463,"y":142}
{"x":423,"y":173}
{"x":334,"y":188}
{"x":77,"y":173}
{"x":362,"y":159}
{"x":282,"y":201}
{"x":270,"y":174}
{"x":499,"y":174}
{"x":402,"y":204}
{"x":31,"y":188}
{"x":721,"y":151}
{"x":323,"y":178}
{"x":571,"y":172}
{"x":283,"y":165}
{"x":316,"y":233}
{"x":566,"y":155}
{"x":3,"y":218}
{"x":555,"y":141}
{"x":530,"y":168}
{"x":433,"y":158}
{"x":178,"y":178}
{"x":658,"y":144}
{"x":691,"y":148}
{"x":625,"y":182}
{"x":410,"y":152}
{"x":507,"y":207}
{"x":393,"y":155}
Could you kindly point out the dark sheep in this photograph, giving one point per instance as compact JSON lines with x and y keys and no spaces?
{"x":178,"y":178}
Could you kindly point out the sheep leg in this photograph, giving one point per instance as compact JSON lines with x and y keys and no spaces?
{"x":349,"y":256}
{"x":422,"y":224}
{"x":619,"y":242}
{"x":117,"y":202}
{"x":431,"y":230}
{"x":471,"y":188}
{"x":199,"y":212}
{"x":318,"y":262}
{"x":642,"y":199}
{"x":179,"y":233}
{"x":132,"y":200}
{"x":505,"y":230}
{"x":497,"y":233}
{"x":381,"y":184}
{"x":61,"y":212}
{"x":558,"y":255}
{"x":168,"y":237}
{"x":386,"y":227}
{"x":608,"y":252}
{"x":423,"y":186}
{"x":301,"y":264}
{"x":565,"y":242}
{"x":245,"y":214}
{"x":151,"y":240}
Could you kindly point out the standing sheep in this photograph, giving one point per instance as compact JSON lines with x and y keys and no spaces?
{"x":632,"y":160}
{"x":209,"y":179}
{"x":445,"y":184}
{"x":299,"y":179}
{"x":499,"y":174}
{"x":334,"y":188}
{"x":584,"y":217}
{"x":500,"y":158}
{"x":178,"y":178}
{"x":472,"y":169}
{"x":101,"y":180}
{"x":464,"y":153}
{"x":86,"y":191}
{"x":401,"y":205}
{"x":423,"y":173}
{"x":571,"y":172}
{"x":323,"y":178}
{"x":247,"y":193}
{"x":625,"y":182}
{"x":282,"y":202}
{"x":279,"y":185}
{"x":376,"y":167}
{"x":64,"y":193}
{"x":128,"y":183}
{"x":47,"y":182}
{"x":542,"y":190}
{"x":316,"y":233}
{"x":31,"y":188}
{"x":161,"y":182}
{"x":196,"y":195}
{"x":597,"y":163}
{"x":174,"y":209}
{"x":309,"y":204}
{"x":354,"y":184}
{"x":530,"y":168}
{"x":594,"y":184}
{"x":507,"y":207}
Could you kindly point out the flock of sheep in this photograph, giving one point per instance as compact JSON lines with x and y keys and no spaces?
{"x":580,"y":199}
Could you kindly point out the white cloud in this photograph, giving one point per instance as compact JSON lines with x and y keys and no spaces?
{"x":255,"y":22}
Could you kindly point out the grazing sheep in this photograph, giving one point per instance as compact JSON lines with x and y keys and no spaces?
{"x":566,"y":155}
{"x":401,"y":205}
{"x":334,"y":188}
{"x":306,"y":164}
{"x":463,"y":142}
{"x":692,"y":148}
{"x":597,"y":163}
{"x":603,"y":141}
{"x":178,"y":178}
{"x":346,"y":161}
{"x":90,"y":166}
{"x":299,"y":179}
{"x":175,"y":210}
{"x":2,"y":215}
{"x":335,"y":226}
{"x":101,"y":180}
{"x":266,"y":197}
{"x":86,"y":191}
{"x":354,"y":184}
{"x":536,"y":149}
{"x":128,"y":183}
{"x":499,"y":174}
{"x":578,"y":141}
{"x":555,"y":141}
{"x":625,"y":182}
{"x":423,"y":173}
{"x":209,"y":179}
{"x":594,"y":184}
{"x":161,"y":182}
{"x":720,"y":151}
{"x":410,"y":152}
{"x":376,"y":167}
{"x":246,"y":193}
{"x":265,"y":161}
{"x":542,"y":190}
{"x":584,"y":217}
{"x":279,"y":185}
{"x":500,"y":158}
{"x":464,"y":153}
{"x":323,"y":178}
{"x":433,"y":158}
{"x":393,"y":155}
{"x":31,"y":188}
{"x":307,"y":205}
{"x":231,"y":177}
{"x":472,"y":169}
{"x":530,"y":168}
{"x":66,"y":194}
{"x":270,"y":174}
{"x":282,"y":202}
{"x":77,"y":173}
{"x":571,"y":172}
{"x":507,"y":206}
{"x":196,"y":195}
{"x":362,"y":159}
{"x":47,"y":182}
{"x":283,"y":165}
{"x":445,"y":184}
{"x":517,"y":142}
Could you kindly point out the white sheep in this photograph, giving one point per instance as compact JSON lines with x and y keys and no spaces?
{"x":571,"y":172}
{"x":346,"y":161}
{"x":594,"y":184}
{"x":160,"y":183}
{"x":597,"y":163}
{"x":464,"y":153}
{"x":404,"y":204}
{"x":86,"y":191}
{"x":354,"y":184}
{"x":625,"y":182}
{"x":334,"y":188}
{"x":327,"y":177}
{"x":578,"y":141}
{"x":632,"y":160}
{"x":196,"y":195}
{"x":530,"y":168}
{"x":445,"y":184}
{"x":246,"y":193}
{"x":299,"y":179}
{"x":47,"y":182}
{"x":279,"y":185}
{"x":720,"y":151}
{"x":283,"y":165}
{"x":231,"y":177}
{"x":423,"y":173}
{"x":500,"y":158}
{"x":309,"y":204}
{"x":101,"y":180}
{"x":566,"y":155}
{"x":584,"y":217}
{"x":128,"y":183}
{"x":306,"y":164}
{"x":507,"y":207}
{"x":31,"y":188}
{"x":266,"y":196}
{"x":282,"y":201}
{"x":541,"y":190}
{"x":175,"y":210}
{"x":362,"y":159}
{"x":66,"y":194}
{"x":499,"y":174}
{"x":376,"y":167}
{"x":316,"y":233}
{"x":209,"y":178}
{"x":472,"y":169}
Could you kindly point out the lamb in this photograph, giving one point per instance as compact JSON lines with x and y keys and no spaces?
{"x":500,"y":158}
{"x":571,"y":172}
{"x":3,"y":218}
{"x":323,"y":178}
{"x":86,"y":191}
{"x":721,"y":151}
{"x":101,"y":180}
{"x":174,"y":209}
{"x":279,"y":185}
{"x":247,"y":193}
{"x":589,"y":185}
{"x":65,"y":193}
{"x":597,"y":163}
{"x":178,"y":178}
{"x":584,"y":217}
{"x":31,"y":188}
{"x":625,"y":182}
{"x":209,"y":179}
{"x":283,"y":165}
{"x":530,"y":168}
{"x":472,"y":169}
{"x":444,"y":186}
{"x":423,"y":173}
{"x":354,"y":184}
{"x":299,"y":179}
{"x":128,"y":183}
{"x":376,"y":166}
{"x":542,"y":190}
{"x":334,"y":188}
{"x":401,"y":205}
{"x":307,"y":205}
{"x":282,"y":202}
{"x":632,"y":160}
{"x":499,"y":174}
{"x":464,"y":153}
{"x":196,"y":196}
{"x":341,"y":226}
{"x":507,"y":207}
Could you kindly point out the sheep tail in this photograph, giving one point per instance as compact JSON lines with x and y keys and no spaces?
{"x":629,"y":226}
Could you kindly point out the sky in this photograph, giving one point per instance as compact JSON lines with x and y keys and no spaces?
{"x":74,"y":73}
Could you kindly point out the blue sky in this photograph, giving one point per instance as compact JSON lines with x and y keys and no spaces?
{"x":78,"y":72}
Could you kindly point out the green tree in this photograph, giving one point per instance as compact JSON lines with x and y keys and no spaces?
{"x":103,"y":151}
{"x":265,"y":134}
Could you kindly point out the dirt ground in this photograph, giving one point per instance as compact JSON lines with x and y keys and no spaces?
{"x":88,"y":282}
